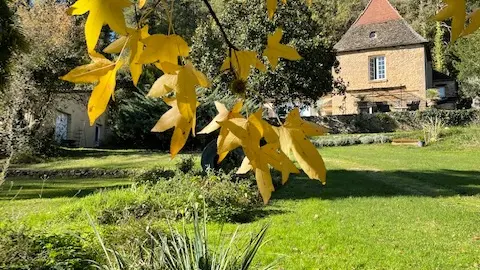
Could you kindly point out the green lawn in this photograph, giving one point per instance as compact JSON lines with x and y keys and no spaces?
{"x":384,"y":207}
{"x":104,"y":159}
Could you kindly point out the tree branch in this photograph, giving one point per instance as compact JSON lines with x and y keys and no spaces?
{"x":217,"y":21}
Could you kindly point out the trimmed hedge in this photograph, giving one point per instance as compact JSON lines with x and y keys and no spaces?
{"x":393,"y":121}
{"x":415,"y":119}
{"x":328,"y":141}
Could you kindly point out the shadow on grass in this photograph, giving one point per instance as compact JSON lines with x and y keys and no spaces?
{"x":27,"y":192}
{"x":345,"y":183}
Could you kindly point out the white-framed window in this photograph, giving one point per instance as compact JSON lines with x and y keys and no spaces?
{"x":62,"y":126}
{"x":377,"y":68}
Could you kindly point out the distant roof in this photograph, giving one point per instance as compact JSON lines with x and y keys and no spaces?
{"x":379,"y":26}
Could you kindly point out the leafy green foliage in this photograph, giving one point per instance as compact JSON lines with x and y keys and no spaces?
{"x":466,"y":52}
{"x":152,"y":176}
{"x":226,"y":200}
{"x":24,"y":249}
{"x":186,"y":164}
{"x":306,"y":79}
{"x":181,"y":250}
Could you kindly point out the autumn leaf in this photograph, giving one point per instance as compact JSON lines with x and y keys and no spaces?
{"x":248,"y":136}
{"x":173,"y":118}
{"x":90,"y":73}
{"x":141,"y":3}
{"x":183,"y":83}
{"x":161,"y":48}
{"x":100,"y":12}
{"x":455,"y":9}
{"x":279,"y":160}
{"x":276,"y":50}
{"x":474,"y":24}
{"x":133,"y":42}
{"x":247,"y":133}
{"x":101,"y":94}
{"x":223,"y":114}
{"x":271,"y":8}
{"x":293,"y":138}
{"x":242,"y":62}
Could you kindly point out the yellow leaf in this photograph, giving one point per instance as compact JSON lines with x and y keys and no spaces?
{"x":227,"y":141}
{"x":173,"y":118}
{"x":223,"y":114}
{"x":295,"y":121}
{"x":97,"y":104}
{"x":100,"y":12}
{"x":183,"y":82}
{"x":455,"y":9}
{"x":162,"y":48}
{"x":133,"y":42}
{"x":279,"y":161}
{"x":163,"y":85}
{"x":245,"y":166}
{"x":90,"y":73}
{"x":265,"y":129}
{"x":271,"y":7}
{"x":474,"y":23}
{"x":264,"y":181}
{"x":242,"y":62}
{"x":308,"y":156}
{"x":243,"y":132}
{"x":293,"y":138}
{"x":221,"y":157}
{"x":276,"y":50}
{"x":141,"y":3}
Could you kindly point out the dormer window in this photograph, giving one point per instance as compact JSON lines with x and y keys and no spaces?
{"x":373,"y":35}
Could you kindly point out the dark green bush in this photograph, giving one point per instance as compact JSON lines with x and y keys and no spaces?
{"x":23,"y":249}
{"x":152,"y":176}
{"x":227,"y":197}
{"x":186,"y":164}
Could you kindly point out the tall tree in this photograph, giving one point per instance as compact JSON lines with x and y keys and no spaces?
{"x":305,"y":80}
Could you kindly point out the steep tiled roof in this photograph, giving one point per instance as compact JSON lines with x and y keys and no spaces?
{"x":379,"y":26}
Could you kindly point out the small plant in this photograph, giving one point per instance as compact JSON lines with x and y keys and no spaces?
{"x":152,"y":176}
{"x":181,"y":250}
{"x":432,"y":94}
{"x":25,"y":249}
{"x":432,"y":130}
{"x":186,"y":164}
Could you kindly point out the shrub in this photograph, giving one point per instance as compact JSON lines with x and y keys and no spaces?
{"x":186,"y":164}
{"x":180,"y":250}
{"x":433,"y":130}
{"x":23,"y":249}
{"x":345,"y":140}
{"x":229,"y":198}
{"x":152,"y":176}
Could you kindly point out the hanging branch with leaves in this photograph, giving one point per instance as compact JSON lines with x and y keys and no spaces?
{"x":178,"y":84}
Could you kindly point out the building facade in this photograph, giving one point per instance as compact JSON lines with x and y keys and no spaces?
{"x":70,"y":119}
{"x":386,"y":66}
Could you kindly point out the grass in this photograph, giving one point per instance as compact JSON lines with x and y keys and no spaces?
{"x":104,"y":159}
{"x":32,"y":188}
{"x":384,"y":207}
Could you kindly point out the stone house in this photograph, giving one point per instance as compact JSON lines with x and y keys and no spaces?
{"x":386,"y":66}
{"x":71,"y":123}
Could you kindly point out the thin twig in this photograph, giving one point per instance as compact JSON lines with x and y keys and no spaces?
{"x":217,"y":21}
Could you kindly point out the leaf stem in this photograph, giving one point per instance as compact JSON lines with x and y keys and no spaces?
{"x":217,"y":21}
